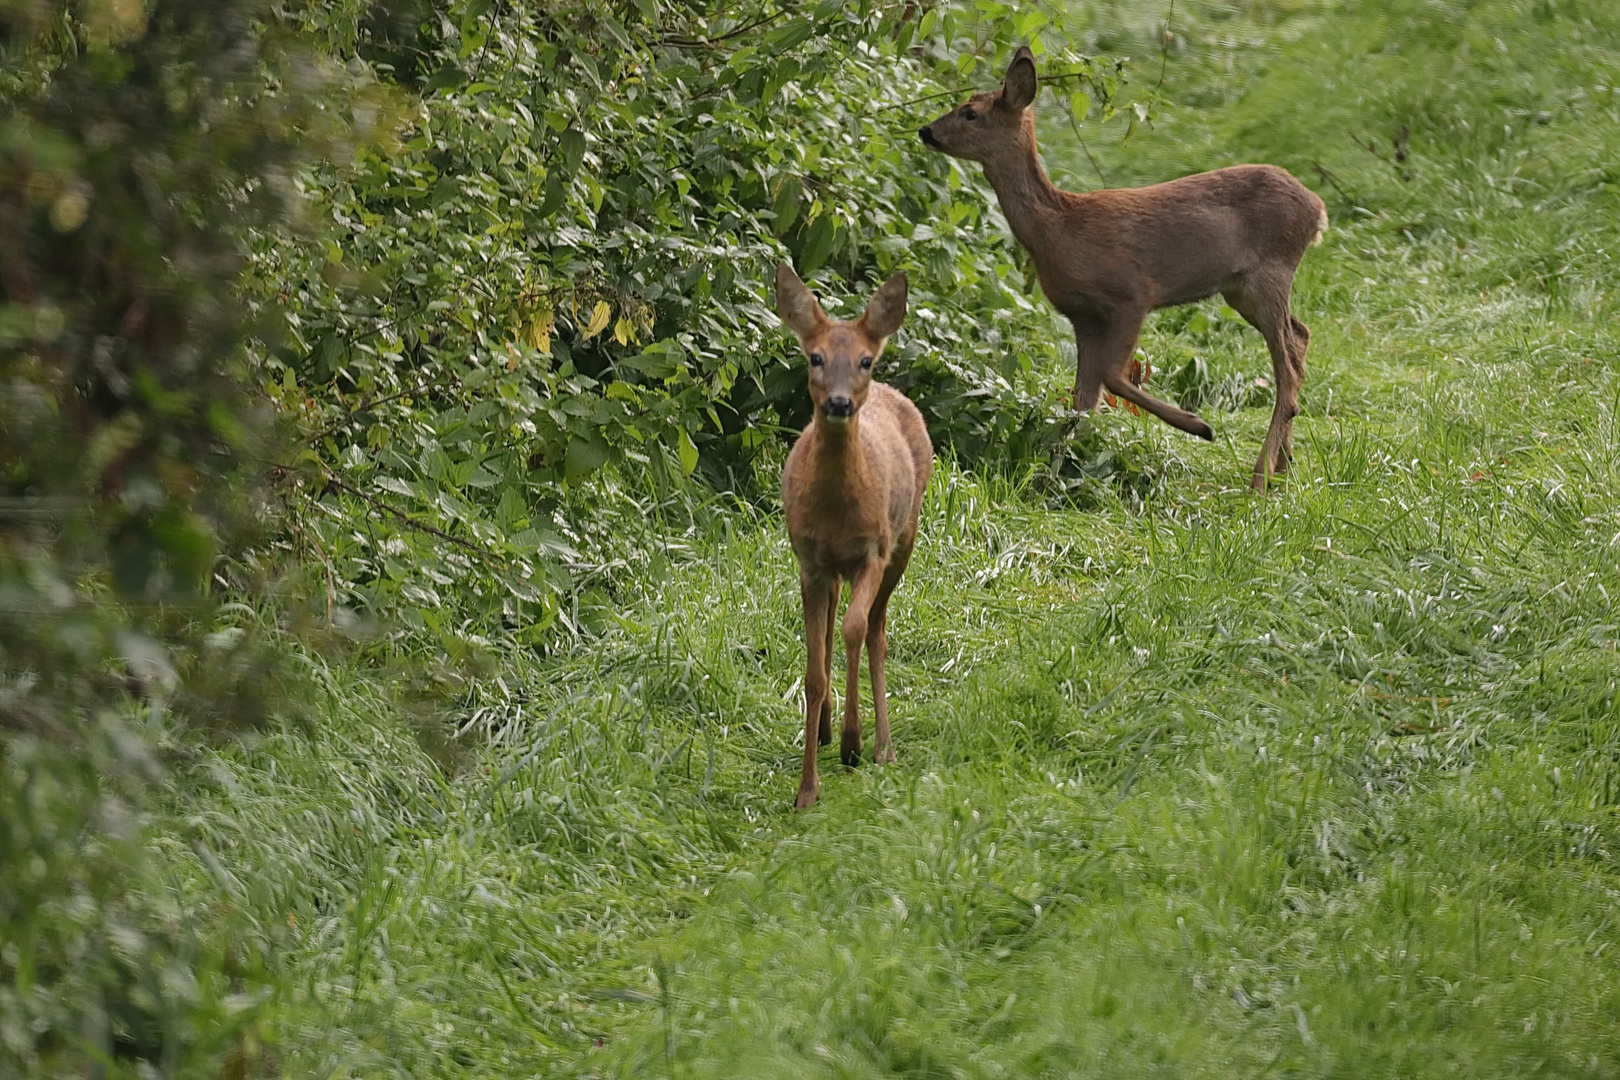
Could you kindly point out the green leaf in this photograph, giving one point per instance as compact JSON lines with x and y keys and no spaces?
{"x":446,"y":78}
{"x":553,"y":196}
{"x":786,"y":205}
{"x":660,"y":360}
{"x":791,"y":35}
{"x":686,"y":451}
{"x":818,"y":245}
{"x":570,"y":151}
{"x":586,"y":453}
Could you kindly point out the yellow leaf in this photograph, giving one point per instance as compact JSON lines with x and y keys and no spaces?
{"x":623,"y":332}
{"x":542,"y":322}
{"x":599,"y":318}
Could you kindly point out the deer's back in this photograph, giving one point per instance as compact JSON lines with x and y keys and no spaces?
{"x":1184,"y":239}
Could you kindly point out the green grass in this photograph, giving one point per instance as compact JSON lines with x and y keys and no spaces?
{"x":1190,"y":782}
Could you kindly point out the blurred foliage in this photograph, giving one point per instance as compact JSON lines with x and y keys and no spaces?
{"x":137,"y":142}
{"x":555,"y":257}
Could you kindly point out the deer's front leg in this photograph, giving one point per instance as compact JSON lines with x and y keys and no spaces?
{"x":863,"y":589}
{"x":824,"y":735}
{"x":818,"y":608}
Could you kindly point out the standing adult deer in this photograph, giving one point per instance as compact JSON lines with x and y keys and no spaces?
{"x":852,"y":490}
{"x":1107,"y":258}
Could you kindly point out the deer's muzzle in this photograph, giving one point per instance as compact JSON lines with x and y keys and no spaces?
{"x":838,"y":408}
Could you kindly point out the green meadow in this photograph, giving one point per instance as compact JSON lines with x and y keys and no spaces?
{"x":1190,"y":782}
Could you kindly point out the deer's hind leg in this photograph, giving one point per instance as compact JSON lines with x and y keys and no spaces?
{"x":1263,"y":304}
{"x":877,"y":654}
{"x":863,"y":590}
{"x":1301,"y":335}
{"x":1088,"y":360}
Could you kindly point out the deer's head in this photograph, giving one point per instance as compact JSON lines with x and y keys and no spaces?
{"x":991,"y":124}
{"x":841,"y":354}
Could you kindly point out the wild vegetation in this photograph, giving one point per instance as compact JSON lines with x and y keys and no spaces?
{"x":431,"y":707}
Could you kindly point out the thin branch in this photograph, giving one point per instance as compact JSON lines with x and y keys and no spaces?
{"x":414,"y":523}
{"x":919,"y":101}
{"x":1064,"y":76}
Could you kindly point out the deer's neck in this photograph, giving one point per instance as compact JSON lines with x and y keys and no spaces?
{"x":1029,"y":199}
{"x":837,"y":463}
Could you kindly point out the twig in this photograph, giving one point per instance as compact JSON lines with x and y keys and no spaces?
{"x":1076,"y":125}
{"x":1164,"y":46}
{"x":367,"y":406}
{"x":331,"y":589}
{"x":706,"y":43}
{"x":1059,"y":77}
{"x":1327,"y":174}
{"x":478,"y":66}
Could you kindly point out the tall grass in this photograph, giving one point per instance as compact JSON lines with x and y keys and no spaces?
{"x":1191,"y":783}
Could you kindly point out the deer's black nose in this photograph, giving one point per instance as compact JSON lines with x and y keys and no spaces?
{"x":928,"y":139}
{"x":839,"y":408}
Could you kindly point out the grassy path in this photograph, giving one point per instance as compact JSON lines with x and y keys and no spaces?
{"x":1191,"y":783}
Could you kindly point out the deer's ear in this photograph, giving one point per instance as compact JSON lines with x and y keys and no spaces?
{"x":1018,"y":89}
{"x":887,"y":308}
{"x":795,"y":304}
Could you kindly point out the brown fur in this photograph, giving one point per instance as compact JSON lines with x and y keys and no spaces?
{"x":852,"y":490}
{"x":1107,"y":258}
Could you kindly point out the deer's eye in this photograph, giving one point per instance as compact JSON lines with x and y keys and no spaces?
{"x":815,"y":359}
{"x":969,"y":113}
{"x":866,"y":363}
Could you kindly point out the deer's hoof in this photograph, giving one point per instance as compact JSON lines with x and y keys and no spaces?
{"x":807,"y":795}
{"x":884,"y":756}
{"x":1205,"y":432}
{"x":849,"y":749}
